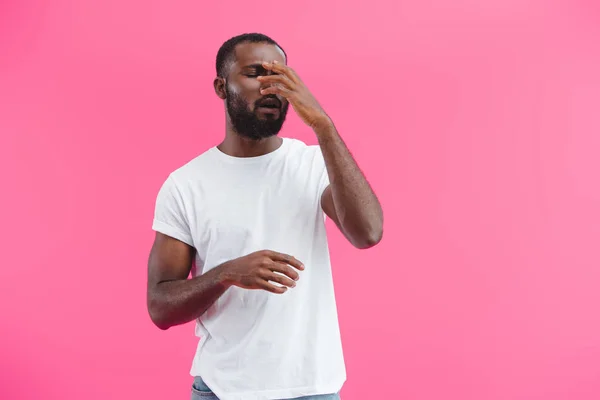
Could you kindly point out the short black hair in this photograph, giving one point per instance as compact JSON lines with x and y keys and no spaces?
{"x":227,"y":50}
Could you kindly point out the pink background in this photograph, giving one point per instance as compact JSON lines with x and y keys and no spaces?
{"x":477,"y":122}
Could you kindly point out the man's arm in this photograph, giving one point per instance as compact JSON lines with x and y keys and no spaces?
{"x":172,"y":298}
{"x":348,"y":200}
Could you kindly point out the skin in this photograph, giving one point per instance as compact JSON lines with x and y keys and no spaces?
{"x":260,"y":70}
{"x":243,"y":79}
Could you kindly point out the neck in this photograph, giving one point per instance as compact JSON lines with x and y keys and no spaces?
{"x":238,"y":146}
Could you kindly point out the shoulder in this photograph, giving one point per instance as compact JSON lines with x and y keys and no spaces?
{"x":303,"y":151}
{"x":193,"y":169}
{"x":183,"y":182}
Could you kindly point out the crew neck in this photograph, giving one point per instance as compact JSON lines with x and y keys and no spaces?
{"x":250,"y":160}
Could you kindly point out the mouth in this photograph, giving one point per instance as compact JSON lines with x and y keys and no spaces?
{"x":272,"y":111}
{"x":271,"y":103}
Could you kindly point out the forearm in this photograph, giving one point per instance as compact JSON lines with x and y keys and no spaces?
{"x":358,"y":209}
{"x":179,"y":301}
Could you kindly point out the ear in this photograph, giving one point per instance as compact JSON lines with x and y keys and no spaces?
{"x":219,"y":84}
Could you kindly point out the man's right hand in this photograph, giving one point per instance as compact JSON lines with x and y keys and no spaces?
{"x":257,"y":270}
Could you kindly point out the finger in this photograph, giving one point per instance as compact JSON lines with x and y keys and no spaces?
{"x":285,"y":269}
{"x":286,"y":258}
{"x":272,"y":288}
{"x":281,"y":279}
{"x":276,"y":79}
{"x":276,"y":89}
{"x":282,"y":69}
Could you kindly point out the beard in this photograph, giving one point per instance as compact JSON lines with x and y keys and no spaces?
{"x":247,"y":124}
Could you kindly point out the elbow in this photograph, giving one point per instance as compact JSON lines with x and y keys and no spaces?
{"x":369,"y":239}
{"x":370,"y":233}
{"x":157,"y":317}
{"x":161,"y":325}
{"x":159,"y":322}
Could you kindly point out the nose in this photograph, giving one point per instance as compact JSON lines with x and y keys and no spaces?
{"x":268,"y":85}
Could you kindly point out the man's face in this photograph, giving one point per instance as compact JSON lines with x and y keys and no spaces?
{"x":253,"y":115}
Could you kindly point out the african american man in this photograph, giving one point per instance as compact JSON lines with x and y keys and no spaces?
{"x":247,"y":219}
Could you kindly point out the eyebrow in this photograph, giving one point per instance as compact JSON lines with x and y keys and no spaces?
{"x":255,"y":66}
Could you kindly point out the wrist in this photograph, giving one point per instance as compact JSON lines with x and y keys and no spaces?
{"x":322,"y":124}
{"x":223,"y":276}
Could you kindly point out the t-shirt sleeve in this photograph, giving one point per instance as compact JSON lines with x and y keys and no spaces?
{"x":169,"y":213}
{"x":321,"y":172}
{"x":324,"y":177}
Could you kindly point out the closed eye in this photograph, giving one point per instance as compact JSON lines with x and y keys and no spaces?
{"x":255,"y":70}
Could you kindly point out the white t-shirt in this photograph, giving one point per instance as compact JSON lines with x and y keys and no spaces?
{"x":254,"y":344}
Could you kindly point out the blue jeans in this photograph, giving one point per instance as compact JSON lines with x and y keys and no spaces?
{"x":202,"y":392}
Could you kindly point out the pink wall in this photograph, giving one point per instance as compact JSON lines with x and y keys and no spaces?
{"x":477,"y":122}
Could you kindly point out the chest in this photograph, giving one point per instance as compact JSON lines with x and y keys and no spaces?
{"x":241,"y":213}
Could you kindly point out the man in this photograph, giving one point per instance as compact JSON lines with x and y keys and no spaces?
{"x":247,"y":219}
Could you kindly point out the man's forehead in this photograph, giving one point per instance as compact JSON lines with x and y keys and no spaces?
{"x":256,"y":53}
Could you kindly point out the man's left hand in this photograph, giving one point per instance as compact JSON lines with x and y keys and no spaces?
{"x":285,"y":82}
